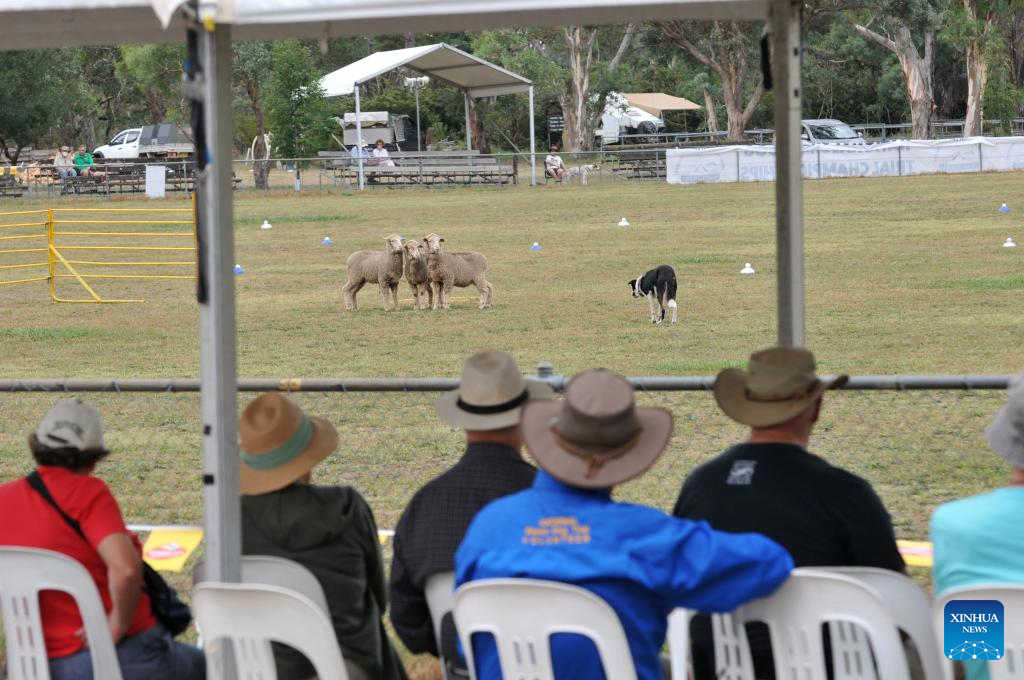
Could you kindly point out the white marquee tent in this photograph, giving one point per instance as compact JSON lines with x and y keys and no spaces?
{"x":27,"y":24}
{"x":474,"y":76}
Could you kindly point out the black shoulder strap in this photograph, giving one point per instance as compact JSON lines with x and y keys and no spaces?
{"x":36,"y":482}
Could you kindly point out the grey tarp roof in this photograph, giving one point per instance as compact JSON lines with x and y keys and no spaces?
{"x":439,"y":61}
{"x":27,"y":24}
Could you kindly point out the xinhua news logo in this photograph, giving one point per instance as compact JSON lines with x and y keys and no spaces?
{"x":973,"y":630}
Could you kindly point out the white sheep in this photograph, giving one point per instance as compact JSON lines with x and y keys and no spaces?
{"x":373,"y":266}
{"x":459,"y":269}
{"x":416,"y":273}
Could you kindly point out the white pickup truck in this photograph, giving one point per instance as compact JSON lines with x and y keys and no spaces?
{"x":146,"y":142}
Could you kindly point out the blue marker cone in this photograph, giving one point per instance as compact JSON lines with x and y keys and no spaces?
{"x":327,"y":241}
{"x":1004,"y":208}
{"x":535,"y":246}
{"x":239,"y":270}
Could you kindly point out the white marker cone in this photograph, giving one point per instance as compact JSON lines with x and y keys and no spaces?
{"x":1009,"y":243}
{"x":327,"y":241}
{"x":266,"y":225}
{"x":623,"y":222}
{"x":239,"y":270}
{"x":747,"y":269}
{"x":535,"y":246}
{"x":1004,"y":208}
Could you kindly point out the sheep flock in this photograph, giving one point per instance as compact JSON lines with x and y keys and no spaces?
{"x":428,"y":268}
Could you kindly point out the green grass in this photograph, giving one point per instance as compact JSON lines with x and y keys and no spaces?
{"x":903,"y":276}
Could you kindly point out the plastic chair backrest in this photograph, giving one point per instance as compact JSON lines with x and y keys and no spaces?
{"x":1011,"y":666}
{"x":732,"y":651}
{"x":910,"y":609}
{"x":679,"y":642}
{"x":440,"y":592}
{"x":522,"y":614}
{"x":253,"y":615}
{"x":23,"y":573}
{"x":276,"y":571}
{"x":811,"y":597}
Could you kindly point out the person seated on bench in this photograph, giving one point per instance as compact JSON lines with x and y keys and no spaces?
{"x":85,"y":165}
{"x":359,"y":151}
{"x":382,"y":156}
{"x":553,"y":165}
{"x":65,"y":167}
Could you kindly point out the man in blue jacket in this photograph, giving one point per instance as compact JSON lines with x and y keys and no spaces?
{"x":567,"y":528}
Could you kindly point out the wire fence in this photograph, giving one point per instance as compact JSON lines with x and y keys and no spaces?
{"x":917,"y":439}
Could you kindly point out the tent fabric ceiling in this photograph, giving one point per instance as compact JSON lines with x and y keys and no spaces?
{"x":29,"y":24}
{"x":656,"y":102}
{"x":440,"y":61}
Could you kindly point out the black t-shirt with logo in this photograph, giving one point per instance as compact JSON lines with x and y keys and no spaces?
{"x":823,"y":515}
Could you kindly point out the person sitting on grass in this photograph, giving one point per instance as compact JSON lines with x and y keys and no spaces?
{"x":553,"y":165}
{"x":66,"y":446}
{"x":84,"y":163}
{"x":330,"y":530}
{"x":977,"y":539}
{"x":566,"y":527}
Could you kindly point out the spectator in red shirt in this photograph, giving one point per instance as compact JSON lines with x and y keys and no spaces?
{"x":66,"y":446}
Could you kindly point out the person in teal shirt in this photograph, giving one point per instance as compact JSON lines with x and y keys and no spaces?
{"x":978,"y":540}
{"x":84,"y":163}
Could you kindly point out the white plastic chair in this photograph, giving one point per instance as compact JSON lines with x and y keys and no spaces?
{"x":276,"y":571}
{"x":522,"y":614}
{"x":253,"y":615}
{"x":732,"y":651}
{"x":23,"y":573}
{"x":910,"y":609}
{"x":811,"y":597}
{"x":440,"y":592}
{"x":1011,"y":666}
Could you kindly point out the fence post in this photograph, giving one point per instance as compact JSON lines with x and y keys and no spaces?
{"x":899,"y":161}
{"x":515,"y":169}
{"x":49,"y":255}
{"x":980,"y":164}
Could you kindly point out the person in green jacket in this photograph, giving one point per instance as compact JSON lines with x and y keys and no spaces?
{"x":83,"y":161}
{"x":328,"y":529}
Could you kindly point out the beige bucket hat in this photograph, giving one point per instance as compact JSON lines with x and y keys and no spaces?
{"x":280,"y":443}
{"x":491,"y":393}
{"x":597,"y":437}
{"x":779,"y":383}
{"x":1006,"y":433}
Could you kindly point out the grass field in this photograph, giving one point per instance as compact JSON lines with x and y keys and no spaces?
{"x":903,"y":276}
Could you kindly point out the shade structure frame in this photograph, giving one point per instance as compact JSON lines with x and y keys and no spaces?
{"x":29,"y":24}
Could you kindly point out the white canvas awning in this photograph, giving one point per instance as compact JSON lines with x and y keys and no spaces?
{"x":655,"y":103}
{"x":28,"y":24}
{"x":441,"y":62}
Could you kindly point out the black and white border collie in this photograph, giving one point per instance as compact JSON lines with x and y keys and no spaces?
{"x":659,"y":283}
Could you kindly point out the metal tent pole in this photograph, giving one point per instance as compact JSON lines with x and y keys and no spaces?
{"x":359,"y":139}
{"x":469,"y":137}
{"x":222,"y":507}
{"x":417,"y":90}
{"x":789,"y":218}
{"x":533,"y":145}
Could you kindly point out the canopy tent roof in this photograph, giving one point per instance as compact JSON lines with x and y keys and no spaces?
{"x":439,"y":61}
{"x":655,"y":103}
{"x":29,"y":24}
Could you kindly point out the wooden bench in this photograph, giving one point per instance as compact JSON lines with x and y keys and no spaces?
{"x":422,"y":169}
{"x":120,"y":178}
{"x":640,"y":167}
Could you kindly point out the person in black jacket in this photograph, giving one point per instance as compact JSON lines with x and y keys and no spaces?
{"x":487,"y":405}
{"x":771,"y":484}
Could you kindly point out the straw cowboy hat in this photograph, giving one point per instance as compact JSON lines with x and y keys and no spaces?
{"x":280,"y":443}
{"x":779,"y":383}
{"x":597,"y":437}
{"x":1006,"y":433}
{"x":491,"y":393}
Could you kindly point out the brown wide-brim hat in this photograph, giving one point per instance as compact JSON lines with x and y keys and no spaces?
{"x":597,"y":437}
{"x":779,"y":384}
{"x":280,"y":443}
{"x":491,"y":394}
